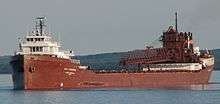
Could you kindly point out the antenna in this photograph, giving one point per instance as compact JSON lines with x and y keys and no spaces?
{"x":19,"y":41}
{"x":176,"y":22}
{"x":59,"y":39}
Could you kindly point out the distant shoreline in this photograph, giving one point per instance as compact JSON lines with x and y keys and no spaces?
{"x":97,"y":61}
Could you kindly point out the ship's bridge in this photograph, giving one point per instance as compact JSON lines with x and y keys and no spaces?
{"x":40,"y":42}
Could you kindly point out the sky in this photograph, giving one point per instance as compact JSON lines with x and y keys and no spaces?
{"x":102,"y":26}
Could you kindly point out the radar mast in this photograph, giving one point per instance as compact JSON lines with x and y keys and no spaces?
{"x":40,"y":24}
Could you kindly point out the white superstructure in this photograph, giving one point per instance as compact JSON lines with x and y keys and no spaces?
{"x":40,"y":42}
{"x":174,"y":66}
{"x":204,"y":62}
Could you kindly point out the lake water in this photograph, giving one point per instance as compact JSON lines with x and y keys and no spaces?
{"x":209,"y":94}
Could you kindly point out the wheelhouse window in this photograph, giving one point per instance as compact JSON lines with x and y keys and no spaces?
{"x":31,"y":49}
{"x":41,"y":49}
{"x":35,"y":39}
{"x":36,"y":49}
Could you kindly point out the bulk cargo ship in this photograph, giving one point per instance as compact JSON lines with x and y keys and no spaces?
{"x":39,"y":64}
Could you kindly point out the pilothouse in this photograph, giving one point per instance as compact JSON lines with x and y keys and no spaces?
{"x":40,"y":42}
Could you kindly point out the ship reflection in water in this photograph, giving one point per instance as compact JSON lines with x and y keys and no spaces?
{"x":209,"y":94}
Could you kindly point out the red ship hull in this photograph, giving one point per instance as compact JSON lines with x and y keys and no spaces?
{"x":47,"y":72}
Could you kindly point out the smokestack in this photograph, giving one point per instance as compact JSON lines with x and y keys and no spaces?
{"x":176,"y":21}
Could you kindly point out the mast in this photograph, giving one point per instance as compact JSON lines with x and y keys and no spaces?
{"x":40,"y":25}
{"x":176,"y":22}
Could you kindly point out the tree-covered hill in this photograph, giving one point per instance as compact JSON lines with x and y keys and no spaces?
{"x":105,"y":61}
